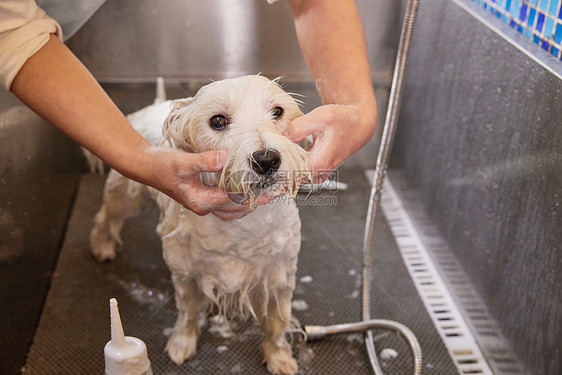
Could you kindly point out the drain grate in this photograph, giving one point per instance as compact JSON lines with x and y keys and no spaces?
{"x":486,"y":330}
{"x":439,"y":303}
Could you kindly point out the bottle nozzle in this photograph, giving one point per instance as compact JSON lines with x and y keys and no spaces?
{"x":117,"y":334}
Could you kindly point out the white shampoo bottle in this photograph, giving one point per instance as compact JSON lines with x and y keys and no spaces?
{"x":124,"y":355}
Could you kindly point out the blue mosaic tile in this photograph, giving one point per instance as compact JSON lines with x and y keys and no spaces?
{"x":540,"y":21}
{"x":553,"y":9}
{"x":558,"y":34}
{"x":523,"y":12}
{"x":531,"y":19}
{"x":515,"y":6}
{"x":548,"y":28}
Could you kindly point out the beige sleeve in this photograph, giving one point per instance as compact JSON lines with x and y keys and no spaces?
{"x":24,"y":29}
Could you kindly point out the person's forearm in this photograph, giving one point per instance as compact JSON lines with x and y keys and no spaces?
{"x":333,"y":43}
{"x":55,"y":84}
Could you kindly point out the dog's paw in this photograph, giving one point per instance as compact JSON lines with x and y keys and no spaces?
{"x":181,"y":347}
{"x":279,"y":361}
{"x":103,"y":247}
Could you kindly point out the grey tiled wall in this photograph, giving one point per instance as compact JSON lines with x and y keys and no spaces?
{"x":479,"y":139}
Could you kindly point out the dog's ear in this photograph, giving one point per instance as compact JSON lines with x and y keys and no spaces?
{"x":176,"y":126}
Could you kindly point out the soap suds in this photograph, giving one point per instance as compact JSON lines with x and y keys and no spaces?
{"x":306,"y":279}
{"x":304,"y":357}
{"x":299,"y":305}
{"x":167,"y":332}
{"x":143,"y":294}
{"x":221,"y":326}
{"x":388,"y":353}
{"x":355,"y":337}
{"x":354,"y":294}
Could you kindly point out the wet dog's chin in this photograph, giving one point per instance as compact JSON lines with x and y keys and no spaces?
{"x":248,"y":193}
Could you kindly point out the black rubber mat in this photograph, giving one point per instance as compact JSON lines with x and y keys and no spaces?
{"x":33,"y":214}
{"x":74,"y":326}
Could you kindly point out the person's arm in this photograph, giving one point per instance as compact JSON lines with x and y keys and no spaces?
{"x":55,"y":84}
{"x":333,"y":43}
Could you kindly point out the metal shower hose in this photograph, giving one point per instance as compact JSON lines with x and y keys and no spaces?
{"x":317,"y":332}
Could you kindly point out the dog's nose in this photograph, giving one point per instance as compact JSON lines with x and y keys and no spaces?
{"x":266,"y":162}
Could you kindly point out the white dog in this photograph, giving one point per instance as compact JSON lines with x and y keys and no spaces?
{"x":242,"y":267}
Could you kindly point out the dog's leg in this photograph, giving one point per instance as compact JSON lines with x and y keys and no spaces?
{"x":121,"y":200}
{"x":276,"y":349}
{"x":189,"y":301}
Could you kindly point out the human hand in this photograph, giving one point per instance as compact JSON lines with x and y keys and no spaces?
{"x":177,"y":174}
{"x":338,"y":131}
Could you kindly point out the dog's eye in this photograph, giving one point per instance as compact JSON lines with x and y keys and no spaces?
{"x":218,"y":122}
{"x":277,"y":112}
